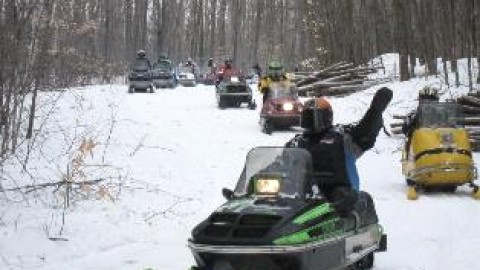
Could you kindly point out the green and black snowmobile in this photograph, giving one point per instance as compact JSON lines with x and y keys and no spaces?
{"x":277,"y":219}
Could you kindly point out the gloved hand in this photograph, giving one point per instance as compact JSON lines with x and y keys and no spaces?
{"x":365,"y":133}
{"x":381,"y":100}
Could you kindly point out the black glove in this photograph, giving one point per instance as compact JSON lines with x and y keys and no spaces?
{"x":381,"y":100}
{"x":365,"y":133}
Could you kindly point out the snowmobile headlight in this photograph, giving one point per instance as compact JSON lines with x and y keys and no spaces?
{"x":234,"y":79}
{"x":288,"y":107}
{"x":267,"y":186}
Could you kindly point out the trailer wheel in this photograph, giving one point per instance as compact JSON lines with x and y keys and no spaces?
{"x":131,"y":90}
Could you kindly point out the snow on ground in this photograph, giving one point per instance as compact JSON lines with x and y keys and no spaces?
{"x":169,"y":154}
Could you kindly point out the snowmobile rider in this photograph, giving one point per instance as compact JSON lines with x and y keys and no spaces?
{"x":191,"y":64}
{"x":275,"y":73}
{"x":142,"y":62}
{"x":257,"y":69}
{"x":210,"y":63}
{"x":427,"y":94}
{"x":226,"y":71}
{"x":164,"y":62}
{"x":335,"y":148}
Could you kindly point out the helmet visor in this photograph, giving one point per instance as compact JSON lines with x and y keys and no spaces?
{"x":316,"y":119}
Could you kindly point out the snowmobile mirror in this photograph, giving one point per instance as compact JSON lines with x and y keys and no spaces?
{"x":315,"y":194}
{"x":227,"y":193}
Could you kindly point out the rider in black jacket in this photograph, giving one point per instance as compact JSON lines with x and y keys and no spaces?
{"x":335,"y":148}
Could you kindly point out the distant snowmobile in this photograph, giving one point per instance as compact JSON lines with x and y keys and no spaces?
{"x":140,"y":76}
{"x":277,"y":219}
{"x":164,"y":75}
{"x":233,"y":91}
{"x":282,"y":109}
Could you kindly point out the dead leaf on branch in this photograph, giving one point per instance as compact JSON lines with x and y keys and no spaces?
{"x":87,"y":146}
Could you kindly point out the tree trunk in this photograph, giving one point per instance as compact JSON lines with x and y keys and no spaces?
{"x":222,"y":26}
{"x":402,"y":38}
{"x":454,"y":47}
{"x":237,"y":13}
{"x":129,"y":44}
{"x":476,"y":34}
{"x":258,"y":23}
{"x":213,"y":21}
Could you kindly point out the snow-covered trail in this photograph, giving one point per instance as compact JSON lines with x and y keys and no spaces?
{"x":179,"y":150}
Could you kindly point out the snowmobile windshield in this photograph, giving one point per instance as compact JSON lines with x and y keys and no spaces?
{"x":185,"y":69}
{"x":163,"y":65}
{"x":141,"y":65}
{"x":277,"y":171}
{"x":438,"y":115}
{"x":282,"y":89}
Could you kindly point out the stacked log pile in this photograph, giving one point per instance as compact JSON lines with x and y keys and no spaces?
{"x":338,"y":79}
{"x":470,"y":105}
{"x":396,"y":126}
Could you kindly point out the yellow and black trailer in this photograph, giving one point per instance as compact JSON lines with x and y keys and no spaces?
{"x":437,"y":154}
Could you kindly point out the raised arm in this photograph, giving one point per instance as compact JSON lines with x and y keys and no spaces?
{"x":366,"y":131}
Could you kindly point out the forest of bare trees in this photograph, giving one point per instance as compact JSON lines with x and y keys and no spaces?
{"x":49,"y":44}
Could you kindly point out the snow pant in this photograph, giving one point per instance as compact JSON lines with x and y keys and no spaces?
{"x":266,"y":93}
{"x":354,"y":204}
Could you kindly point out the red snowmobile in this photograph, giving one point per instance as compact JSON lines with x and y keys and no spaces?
{"x":282,"y":109}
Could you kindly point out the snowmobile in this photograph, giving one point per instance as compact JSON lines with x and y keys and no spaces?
{"x":140,"y":78}
{"x":277,"y":219}
{"x":233,"y":91}
{"x":282,"y":109}
{"x":186,"y":76}
{"x":210,"y":78}
{"x":164,"y":75}
{"x":437,"y":155}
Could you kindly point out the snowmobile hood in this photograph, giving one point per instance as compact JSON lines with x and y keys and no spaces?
{"x":254,"y":205}
{"x":257,"y":221}
{"x":283,"y":100}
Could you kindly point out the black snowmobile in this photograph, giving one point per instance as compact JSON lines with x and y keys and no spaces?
{"x":164,"y":75}
{"x":277,"y":219}
{"x":233,"y":91}
{"x":140,"y":77}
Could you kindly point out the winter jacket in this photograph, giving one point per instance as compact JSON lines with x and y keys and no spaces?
{"x":264,"y":84}
{"x":335,"y":151}
{"x":142,"y":63}
{"x":225,"y":72}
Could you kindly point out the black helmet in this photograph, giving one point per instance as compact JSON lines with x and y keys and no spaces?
{"x":228,"y":62}
{"x":317,"y":115}
{"x":428,"y":93}
{"x":141,"y":53}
